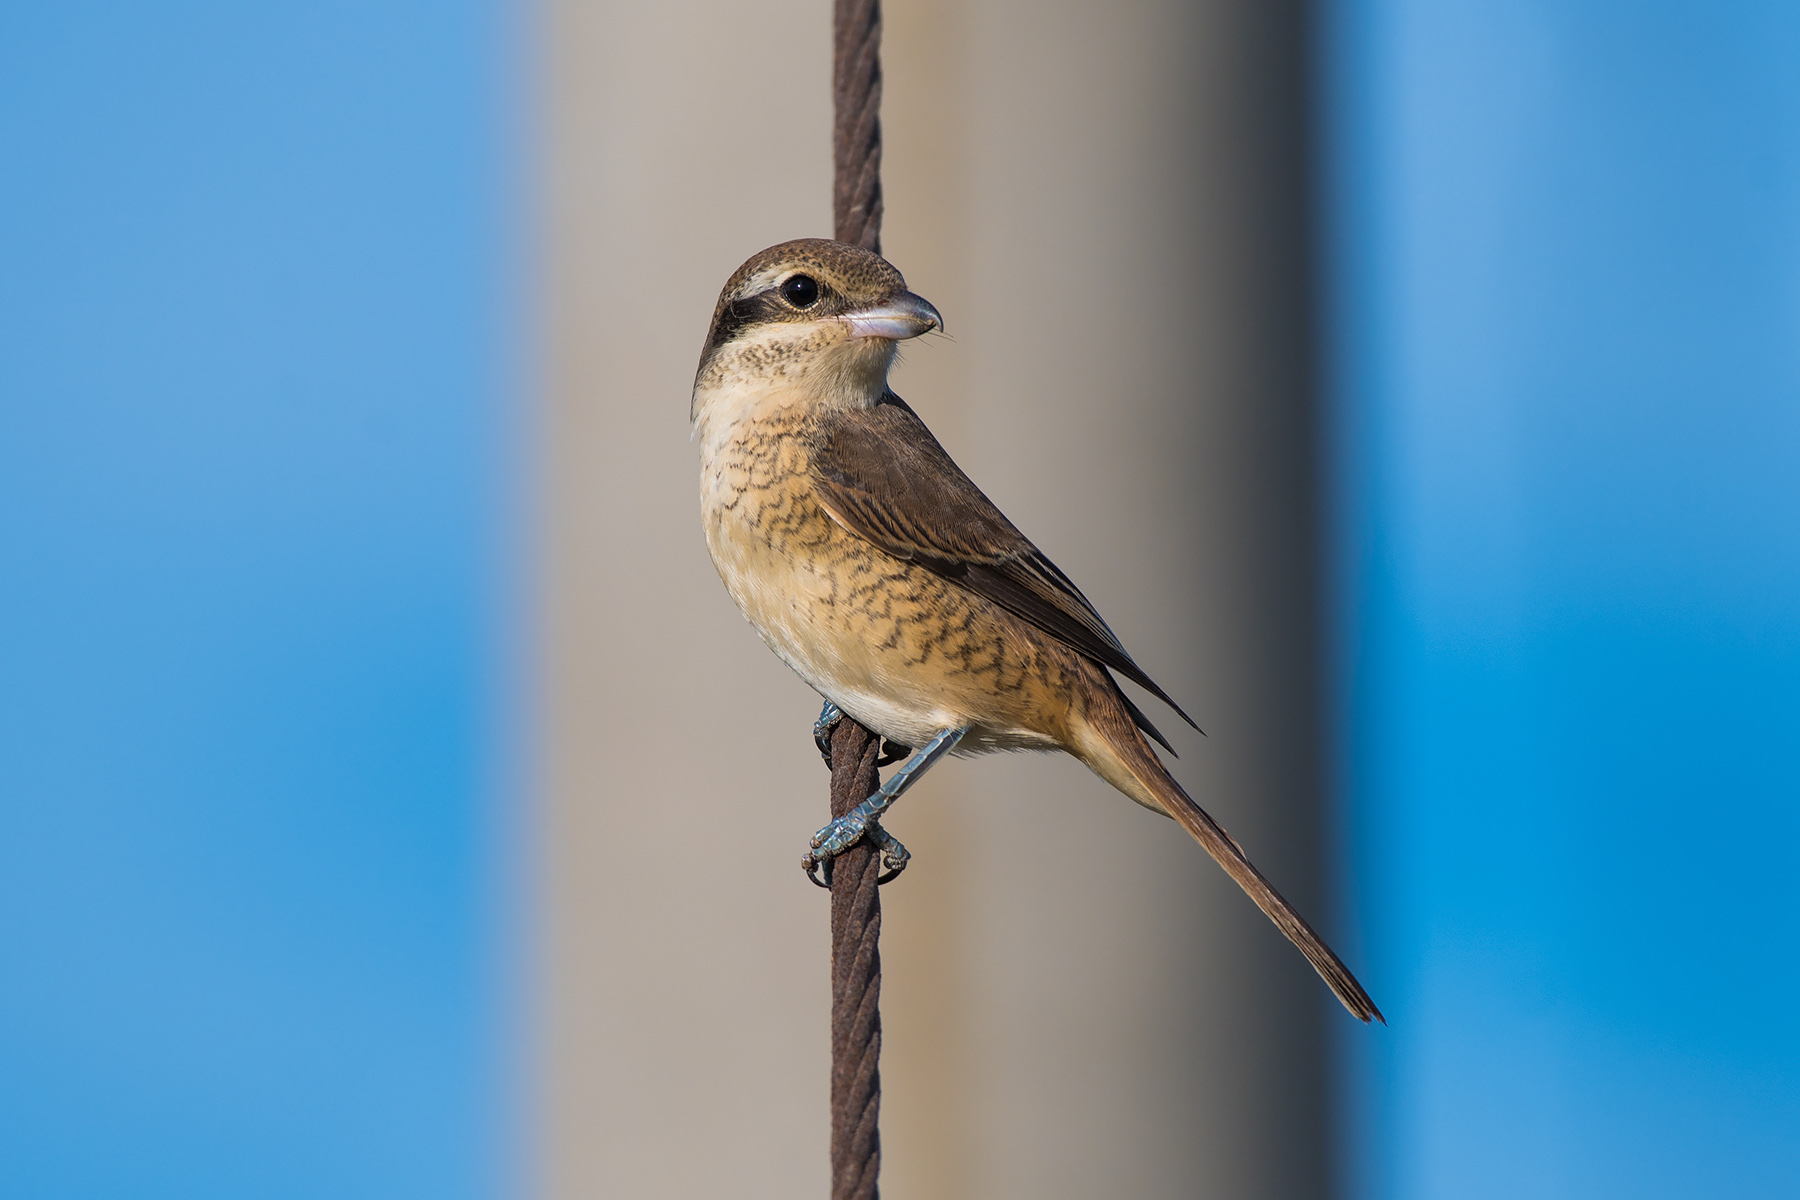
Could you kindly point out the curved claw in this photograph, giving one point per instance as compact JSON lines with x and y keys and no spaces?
{"x":818,"y":870}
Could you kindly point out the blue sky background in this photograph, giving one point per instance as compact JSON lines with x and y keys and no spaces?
{"x":253,"y":450}
{"x":1566,"y":337}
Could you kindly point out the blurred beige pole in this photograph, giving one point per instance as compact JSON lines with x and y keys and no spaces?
{"x":1107,"y":203}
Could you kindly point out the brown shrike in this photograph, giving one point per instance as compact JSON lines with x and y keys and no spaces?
{"x":872,"y":565}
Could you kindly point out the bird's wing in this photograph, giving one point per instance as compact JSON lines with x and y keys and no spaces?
{"x":882,"y":475}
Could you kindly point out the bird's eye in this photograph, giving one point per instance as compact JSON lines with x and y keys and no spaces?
{"x":801,"y":291}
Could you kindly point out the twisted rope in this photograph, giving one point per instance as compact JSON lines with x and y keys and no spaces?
{"x":856,"y":124}
{"x":855,"y":903}
{"x":855,"y":977}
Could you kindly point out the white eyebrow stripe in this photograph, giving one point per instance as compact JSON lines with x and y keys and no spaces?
{"x":762,"y":281}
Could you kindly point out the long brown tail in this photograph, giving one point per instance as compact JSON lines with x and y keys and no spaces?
{"x":1110,"y":744}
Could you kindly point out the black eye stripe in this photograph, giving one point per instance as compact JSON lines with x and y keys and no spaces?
{"x":739,"y":314}
{"x":760,"y":307}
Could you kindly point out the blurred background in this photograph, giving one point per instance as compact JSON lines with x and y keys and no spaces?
{"x":393,"y":804}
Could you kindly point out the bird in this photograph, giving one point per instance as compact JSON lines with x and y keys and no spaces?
{"x":883,"y":576}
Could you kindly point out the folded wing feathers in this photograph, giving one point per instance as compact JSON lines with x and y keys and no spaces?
{"x":884,"y":477}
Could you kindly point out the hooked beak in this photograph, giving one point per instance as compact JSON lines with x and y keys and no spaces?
{"x":900,"y":317}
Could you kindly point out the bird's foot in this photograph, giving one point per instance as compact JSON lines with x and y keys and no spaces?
{"x":844,"y":833}
{"x":894,"y":856}
{"x":862,"y":821}
{"x":829,"y":716}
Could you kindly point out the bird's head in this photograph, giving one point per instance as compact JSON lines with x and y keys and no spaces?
{"x":816,"y":318}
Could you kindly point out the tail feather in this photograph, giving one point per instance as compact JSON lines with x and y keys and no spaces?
{"x":1228,"y":854}
{"x":1124,"y":759}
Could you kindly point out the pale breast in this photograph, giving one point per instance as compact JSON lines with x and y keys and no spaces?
{"x":899,"y":648}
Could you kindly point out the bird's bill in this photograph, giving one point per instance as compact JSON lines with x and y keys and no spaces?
{"x":900,"y":317}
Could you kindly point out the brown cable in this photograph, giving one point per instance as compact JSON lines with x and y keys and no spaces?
{"x":856,"y":123}
{"x":855,"y":902}
{"x":855,"y":977}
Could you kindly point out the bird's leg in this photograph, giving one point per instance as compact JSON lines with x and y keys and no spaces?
{"x":861,"y":821}
{"x":829,"y":716}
